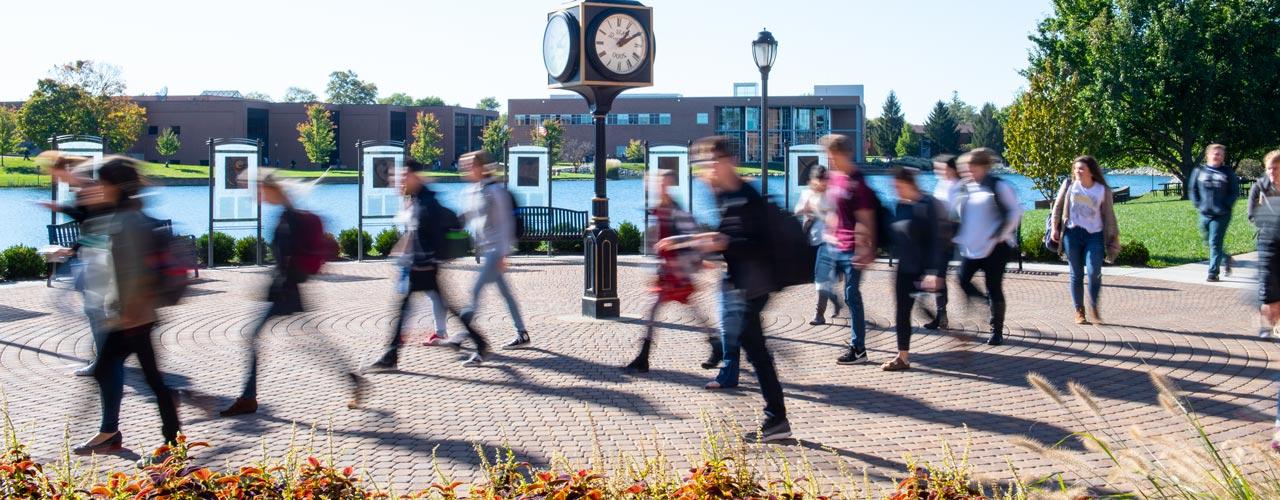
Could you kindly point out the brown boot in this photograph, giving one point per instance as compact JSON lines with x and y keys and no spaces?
{"x":1094,"y":315}
{"x":1080,"y":319}
{"x":242,"y":406}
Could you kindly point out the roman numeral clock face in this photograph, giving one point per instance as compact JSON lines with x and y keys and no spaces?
{"x":620,"y":44}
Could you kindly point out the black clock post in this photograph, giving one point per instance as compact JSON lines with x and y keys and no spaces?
{"x":600,"y":246}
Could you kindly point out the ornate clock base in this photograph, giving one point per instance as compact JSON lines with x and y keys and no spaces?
{"x":600,"y":272}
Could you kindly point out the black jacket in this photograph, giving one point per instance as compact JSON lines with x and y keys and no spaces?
{"x":917,"y":243}
{"x":428,"y":235}
{"x":742,"y":219}
{"x":283,"y":293}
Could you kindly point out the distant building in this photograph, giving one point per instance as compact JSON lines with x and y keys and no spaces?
{"x":673,"y":119}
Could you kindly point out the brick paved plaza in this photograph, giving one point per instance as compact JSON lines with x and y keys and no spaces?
{"x":551,"y":399}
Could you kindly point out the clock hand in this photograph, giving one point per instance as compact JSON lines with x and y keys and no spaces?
{"x":626,"y":38}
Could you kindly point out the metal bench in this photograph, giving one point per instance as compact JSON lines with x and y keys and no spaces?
{"x":551,"y":224}
{"x":1121,"y":195}
{"x":68,"y":233}
{"x":1171,"y":188}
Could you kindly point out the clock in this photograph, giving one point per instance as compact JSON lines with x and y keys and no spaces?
{"x":618,"y":44}
{"x":560,"y":46}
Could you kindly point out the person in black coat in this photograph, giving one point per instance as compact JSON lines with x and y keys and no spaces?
{"x":917,"y":248}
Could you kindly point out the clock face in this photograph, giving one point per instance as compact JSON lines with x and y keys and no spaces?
{"x":620,"y":44}
{"x":560,"y":46}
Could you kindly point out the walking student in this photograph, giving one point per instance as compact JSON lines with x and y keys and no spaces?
{"x":989,"y":213}
{"x":1085,"y":222}
{"x":119,"y":276}
{"x":676,"y":268}
{"x":420,"y":246}
{"x":743,"y":239}
{"x":1267,"y":217}
{"x":490,"y":216}
{"x":850,"y":235}
{"x":1213,"y":189}
{"x":946,"y":191}
{"x":918,"y":250}
{"x":1267,"y":186}
{"x":814,"y":208}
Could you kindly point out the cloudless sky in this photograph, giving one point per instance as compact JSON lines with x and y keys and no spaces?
{"x":465,"y":50}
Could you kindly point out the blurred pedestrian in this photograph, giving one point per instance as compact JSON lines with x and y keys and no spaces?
{"x":918,"y":251}
{"x":420,"y":250}
{"x":813,"y":209}
{"x":677,"y":266}
{"x":946,"y":191}
{"x":490,"y":216}
{"x":1083,"y":218}
{"x":850,"y":235}
{"x":121,"y":279}
{"x":989,"y":214}
{"x":1267,"y":218}
{"x":744,"y":241}
{"x":1267,"y":186}
{"x":1213,"y":188}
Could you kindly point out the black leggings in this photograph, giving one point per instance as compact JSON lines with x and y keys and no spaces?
{"x":109,"y":373}
{"x":752,"y":341}
{"x":904,"y":286}
{"x":992,"y":267}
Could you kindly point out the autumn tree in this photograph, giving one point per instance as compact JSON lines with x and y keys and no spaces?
{"x":317,"y":135}
{"x":1048,"y":127}
{"x":635,"y":151}
{"x":425,"y":148}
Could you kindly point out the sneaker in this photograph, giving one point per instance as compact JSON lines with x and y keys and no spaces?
{"x":520,"y":342}
{"x":434,"y":339}
{"x":1212,"y":279}
{"x":381,"y":366}
{"x":939,"y":323}
{"x":242,"y":406}
{"x":817,"y":321}
{"x":853,"y":357}
{"x":85,"y":371}
{"x":771,"y":432}
{"x":1265,"y":333}
{"x":475,"y":360}
{"x":455,"y":341}
{"x":996,"y":339}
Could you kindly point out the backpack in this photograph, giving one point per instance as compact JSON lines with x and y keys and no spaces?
{"x":450,"y":238}
{"x":791,"y":257}
{"x":989,"y":182}
{"x":311,"y":247}
{"x":171,"y":259}
{"x":884,"y":219}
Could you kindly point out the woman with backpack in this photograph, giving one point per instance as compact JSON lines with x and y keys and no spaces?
{"x":814,"y":208}
{"x":676,"y":269}
{"x":120,"y":278}
{"x":1084,"y":222}
{"x":918,"y":250}
{"x":989,"y":212}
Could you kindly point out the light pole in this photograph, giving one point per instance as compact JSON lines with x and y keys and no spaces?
{"x":765,"y":51}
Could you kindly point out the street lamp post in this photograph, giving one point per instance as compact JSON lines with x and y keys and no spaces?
{"x":765,"y":51}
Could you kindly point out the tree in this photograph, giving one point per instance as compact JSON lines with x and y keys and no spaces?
{"x":317,"y":134}
{"x":54,"y":109}
{"x":123,"y":123}
{"x":426,"y":139}
{"x":167,"y":144}
{"x":941,"y":130}
{"x":550,"y":135}
{"x":889,"y":126}
{"x":1164,"y":79}
{"x":345,"y":87}
{"x":429,"y":101}
{"x":298,"y":94}
{"x":489,"y":103}
{"x":635,"y":151}
{"x":1047,"y":129}
{"x":10,"y":133}
{"x":495,"y":137}
{"x":987,"y":130}
{"x":575,"y":151}
{"x":961,"y":111}
{"x":96,"y":79}
{"x":908,"y":142}
{"x":397,"y":99}
{"x":259,"y":96}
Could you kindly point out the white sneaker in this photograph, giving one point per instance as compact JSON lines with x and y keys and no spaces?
{"x":455,"y":341}
{"x":475,"y":360}
{"x":521,"y":341}
{"x":85,"y":371}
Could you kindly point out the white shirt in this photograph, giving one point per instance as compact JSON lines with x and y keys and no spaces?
{"x":947,"y":191}
{"x":814,"y":205}
{"x":1085,"y":206}
{"x":979,"y":218}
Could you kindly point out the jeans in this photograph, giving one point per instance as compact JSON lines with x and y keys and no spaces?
{"x":109,"y":373}
{"x":842,"y":262}
{"x":992,"y":267}
{"x":489,"y":273}
{"x":92,"y":311}
{"x":752,"y":341}
{"x":1085,"y":252}
{"x":732,"y":309}
{"x":1214,"y":229}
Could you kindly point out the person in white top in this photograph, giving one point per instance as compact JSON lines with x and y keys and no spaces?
{"x":813,"y":210}
{"x":989,"y":213}
{"x":945,"y":191}
{"x":1084,"y":220}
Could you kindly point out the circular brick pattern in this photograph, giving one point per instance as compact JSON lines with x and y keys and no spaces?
{"x":567,"y":391}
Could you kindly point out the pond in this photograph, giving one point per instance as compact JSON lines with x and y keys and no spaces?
{"x":188,"y":206}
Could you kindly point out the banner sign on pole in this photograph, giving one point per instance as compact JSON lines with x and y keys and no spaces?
{"x":674,"y":159}
{"x":529,"y":175}
{"x":800,"y":162}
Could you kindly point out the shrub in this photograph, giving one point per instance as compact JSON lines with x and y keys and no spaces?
{"x":570,"y":246}
{"x":530,"y":247}
{"x":1033,"y":247}
{"x":1133,"y":253}
{"x":22,"y":262}
{"x":386,"y":240}
{"x":611,"y":169}
{"x":629,"y":238}
{"x":246,"y":251}
{"x":224,"y":248}
{"x":349,"y":245}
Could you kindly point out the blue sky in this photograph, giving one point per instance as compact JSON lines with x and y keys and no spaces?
{"x":465,"y":50}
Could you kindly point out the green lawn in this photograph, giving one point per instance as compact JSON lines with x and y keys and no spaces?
{"x":1169,"y":227}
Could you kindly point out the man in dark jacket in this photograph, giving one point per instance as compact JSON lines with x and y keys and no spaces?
{"x":425,"y":235}
{"x":1214,"y":188}
{"x":917,"y":247}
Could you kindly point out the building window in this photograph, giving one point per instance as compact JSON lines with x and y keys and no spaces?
{"x":175,"y":129}
{"x":624,"y":119}
{"x":753,"y":118}
{"x":729,"y":118}
{"x":642,"y":119}
{"x":611,"y":119}
{"x":703,"y":119}
{"x":153,"y":130}
{"x":665,"y":118}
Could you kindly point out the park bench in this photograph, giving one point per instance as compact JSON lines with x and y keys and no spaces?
{"x":1121,"y":195}
{"x":1171,"y":188}
{"x":551,"y":224}
{"x":68,"y":233}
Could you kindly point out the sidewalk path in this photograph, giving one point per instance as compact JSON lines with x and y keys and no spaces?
{"x":555,"y":397}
